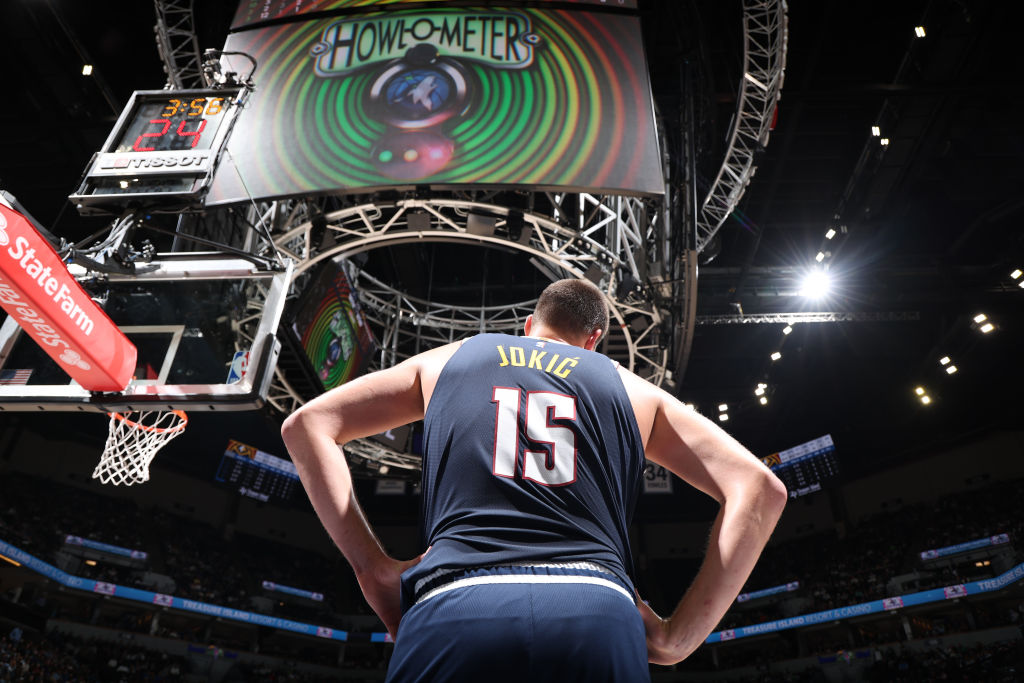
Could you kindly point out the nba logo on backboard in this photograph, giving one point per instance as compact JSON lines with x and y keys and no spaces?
{"x":239,"y":364}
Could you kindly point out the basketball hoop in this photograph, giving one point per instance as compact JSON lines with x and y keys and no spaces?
{"x":132,"y":441}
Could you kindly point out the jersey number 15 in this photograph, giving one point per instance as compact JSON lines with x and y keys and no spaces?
{"x":553,"y":466}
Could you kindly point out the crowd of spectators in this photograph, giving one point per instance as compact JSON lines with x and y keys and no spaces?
{"x":205,"y":566}
{"x":59,"y":658}
{"x":224,"y":568}
{"x":836,"y":571}
{"x":1000,"y":662}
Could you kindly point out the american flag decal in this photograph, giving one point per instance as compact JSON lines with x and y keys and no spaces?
{"x":15,"y":376}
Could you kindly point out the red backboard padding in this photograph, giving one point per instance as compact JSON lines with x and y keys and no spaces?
{"x":37,"y":290}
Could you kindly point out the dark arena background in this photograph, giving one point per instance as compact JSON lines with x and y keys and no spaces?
{"x":806,"y":217}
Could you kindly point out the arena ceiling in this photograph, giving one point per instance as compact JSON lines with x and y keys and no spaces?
{"x":928,"y":226}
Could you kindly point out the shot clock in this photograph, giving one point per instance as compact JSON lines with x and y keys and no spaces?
{"x":162,"y":152}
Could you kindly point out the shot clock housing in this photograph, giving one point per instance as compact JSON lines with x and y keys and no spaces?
{"x":162,"y":152}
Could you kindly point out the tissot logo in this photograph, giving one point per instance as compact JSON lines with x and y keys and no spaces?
{"x":185,"y":161}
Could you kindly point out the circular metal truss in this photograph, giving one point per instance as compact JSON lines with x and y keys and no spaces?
{"x":765,"y":35}
{"x":608,"y":239}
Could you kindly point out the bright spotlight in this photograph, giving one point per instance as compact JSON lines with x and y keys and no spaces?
{"x":819,"y":257}
{"x":926,"y":399}
{"x":919,"y":31}
{"x":1016,"y":274}
{"x":764,"y":400}
{"x":944,"y":360}
{"x":980,"y":318}
{"x":722,"y":407}
{"x":876,"y":131}
{"x":919,"y":391}
{"x":986,"y":328}
{"x":816,"y":284}
{"x":759,"y":391}
{"x":87,"y":69}
{"x":830,"y":234}
{"x":723,"y":417}
{"x":951,"y":369}
{"x":787,"y":329}
{"x":884,"y":142}
{"x":776,"y":355}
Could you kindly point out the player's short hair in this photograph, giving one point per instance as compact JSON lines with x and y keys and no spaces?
{"x":573,"y":307}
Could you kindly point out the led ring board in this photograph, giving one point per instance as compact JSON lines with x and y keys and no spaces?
{"x":162,"y":152}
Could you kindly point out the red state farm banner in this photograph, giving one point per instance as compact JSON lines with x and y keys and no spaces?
{"x":37,"y":290}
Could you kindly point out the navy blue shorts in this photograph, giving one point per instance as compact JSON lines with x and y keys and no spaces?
{"x":477,"y":629}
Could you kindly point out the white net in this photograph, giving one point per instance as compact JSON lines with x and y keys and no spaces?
{"x":132,"y":441}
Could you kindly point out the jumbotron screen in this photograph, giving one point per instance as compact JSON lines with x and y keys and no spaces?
{"x":257,"y":11}
{"x":329,"y":325}
{"x":445,"y":97}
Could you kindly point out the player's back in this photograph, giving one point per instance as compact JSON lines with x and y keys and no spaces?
{"x":531,"y":454}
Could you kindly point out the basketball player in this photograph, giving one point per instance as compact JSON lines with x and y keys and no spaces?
{"x":534,"y":449}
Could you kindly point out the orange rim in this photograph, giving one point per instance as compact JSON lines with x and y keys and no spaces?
{"x":159,"y":430}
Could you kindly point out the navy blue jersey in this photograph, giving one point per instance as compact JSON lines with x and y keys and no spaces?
{"x":531,"y":454}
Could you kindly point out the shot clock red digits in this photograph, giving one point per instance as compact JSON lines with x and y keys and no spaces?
{"x":190,"y":127}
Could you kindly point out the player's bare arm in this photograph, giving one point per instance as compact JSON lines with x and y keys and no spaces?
{"x":368,"y":405}
{"x":751,"y":498}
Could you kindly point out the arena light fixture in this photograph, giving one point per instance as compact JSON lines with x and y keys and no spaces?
{"x":816,"y":284}
{"x":926,"y":399}
{"x":764,"y":400}
{"x":1021,"y":284}
{"x":830,"y":234}
{"x":7,"y":559}
{"x":722,"y":407}
{"x":776,"y":356}
{"x":919,"y":391}
{"x":690,"y":406}
{"x":876,"y":131}
{"x":1015,"y":275}
{"x":951,"y":370}
{"x":723,"y":417}
{"x":986,"y":328}
{"x":980,"y":318}
{"x":819,"y":257}
{"x":87,"y":69}
{"x":919,"y":31}
{"x":944,"y":360}
{"x":884,"y":142}
{"x":759,"y":391}
{"x":787,"y":329}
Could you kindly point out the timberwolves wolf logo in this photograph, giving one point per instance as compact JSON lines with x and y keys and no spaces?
{"x":423,"y":83}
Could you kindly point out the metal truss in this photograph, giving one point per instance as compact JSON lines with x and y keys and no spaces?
{"x":765,"y":34}
{"x":177,"y":44}
{"x":817,"y":317}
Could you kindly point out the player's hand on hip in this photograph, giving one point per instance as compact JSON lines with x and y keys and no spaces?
{"x":383,"y":590}
{"x":662,"y":647}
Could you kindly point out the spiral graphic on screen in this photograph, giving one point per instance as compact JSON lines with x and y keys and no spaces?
{"x":575,"y":116}
{"x":331,"y":344}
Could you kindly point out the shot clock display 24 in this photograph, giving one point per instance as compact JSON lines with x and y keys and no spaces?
{"x":162,"y":152}
{"x":174,"y":123}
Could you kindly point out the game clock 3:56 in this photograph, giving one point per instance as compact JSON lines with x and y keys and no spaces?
{"x":162,"y":152}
